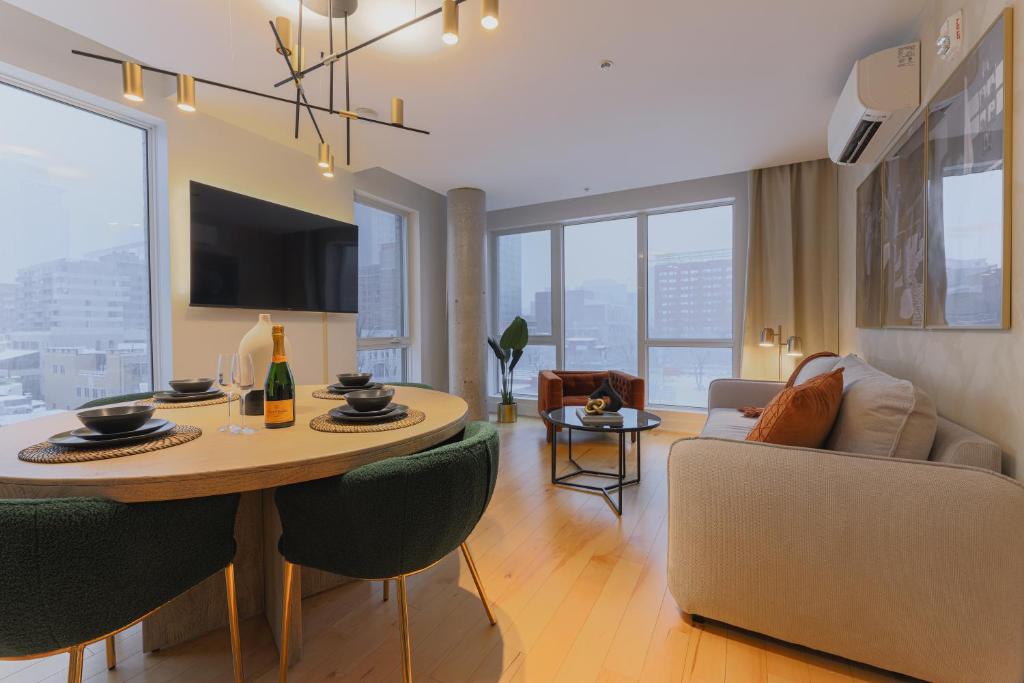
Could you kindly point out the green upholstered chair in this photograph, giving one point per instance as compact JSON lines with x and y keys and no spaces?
{"x":74,"y":571}
{"x":417,"y":385}
{"x":110,"y":400}
{"x":390,"y":519}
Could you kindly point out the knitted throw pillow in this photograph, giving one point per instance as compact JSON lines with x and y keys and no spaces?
{"x":801,"y":415}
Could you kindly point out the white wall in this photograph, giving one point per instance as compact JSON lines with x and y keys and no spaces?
{"x":427,"y":244}
{"x":209,"y":150}
{"x":974,"y":377}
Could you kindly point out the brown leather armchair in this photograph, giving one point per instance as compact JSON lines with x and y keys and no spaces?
{"x":560,"y":388}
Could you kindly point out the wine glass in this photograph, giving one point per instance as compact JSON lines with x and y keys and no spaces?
{"x":225,"y":369}
{"x":245,"y":377}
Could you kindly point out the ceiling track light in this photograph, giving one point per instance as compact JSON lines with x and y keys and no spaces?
{"x":186,"y":93}
{"x":397,"y":111}
{"x":284,"y":29}
{"x":489,"y":18}
{"x":329,"y":171}
{"x":131,"y":81}
{"x":450,"y":22}
{"x":295,"y":64}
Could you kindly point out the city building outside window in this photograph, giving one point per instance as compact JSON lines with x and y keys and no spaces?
{"x":383,"y":320}
{"x":578,"y":287}
{"x":75,"y":278}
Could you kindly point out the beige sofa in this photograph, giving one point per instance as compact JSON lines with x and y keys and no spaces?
{"x":911,"y":565}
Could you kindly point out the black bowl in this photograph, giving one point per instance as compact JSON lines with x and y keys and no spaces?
{"x":116,"y":419}
{"x":370,"y":399}
{"x":354,"y":379}
{"x":191,"y":386}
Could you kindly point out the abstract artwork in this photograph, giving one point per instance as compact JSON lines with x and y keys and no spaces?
{"x":903,"y":226}
{"x":869,"y":250}
{"x":968,"y":190}
{"x":933,"y":219}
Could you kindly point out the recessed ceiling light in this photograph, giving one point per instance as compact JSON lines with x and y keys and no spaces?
{"x":367,"y":112}
{"x":607,"y":64}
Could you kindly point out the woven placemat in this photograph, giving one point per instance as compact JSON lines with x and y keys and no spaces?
{"x":185,"y":404}
{"x":330,"y":395}
{"x":46,"y":452}
{"x":324,"y":423}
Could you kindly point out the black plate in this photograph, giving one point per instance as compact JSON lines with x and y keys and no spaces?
{"x":175,"y":397}
{"x":66,"y":438}
{"x":86,"y":433}
{"x":349,"y":411}
{"x":362,"y":419}
{"x":340,"y":390}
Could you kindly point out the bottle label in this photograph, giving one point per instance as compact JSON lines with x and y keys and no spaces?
{"x":279,"y":412}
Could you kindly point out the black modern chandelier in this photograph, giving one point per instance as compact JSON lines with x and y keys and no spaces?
{"x":290,"y":46}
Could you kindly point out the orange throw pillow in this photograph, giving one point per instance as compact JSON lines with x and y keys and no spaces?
{"x":801,"y":415}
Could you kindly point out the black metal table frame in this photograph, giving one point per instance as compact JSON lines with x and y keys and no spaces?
{"x":564,"y":480}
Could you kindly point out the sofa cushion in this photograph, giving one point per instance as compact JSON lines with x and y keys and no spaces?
{"x":802,"y":415}
{"x":959,"y":446}
{"x":727,"y":423}
{"x":812,"y":366}
{"x":882,"y":415}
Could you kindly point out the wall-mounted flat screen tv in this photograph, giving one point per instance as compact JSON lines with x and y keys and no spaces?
{"x":250,"y":253}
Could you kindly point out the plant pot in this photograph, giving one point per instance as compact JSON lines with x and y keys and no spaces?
{"x":508,"y":412}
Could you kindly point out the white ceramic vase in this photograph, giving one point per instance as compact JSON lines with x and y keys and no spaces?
{"x":259,"y":343}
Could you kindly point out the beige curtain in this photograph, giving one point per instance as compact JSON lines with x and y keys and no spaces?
{"x":792,"y":263}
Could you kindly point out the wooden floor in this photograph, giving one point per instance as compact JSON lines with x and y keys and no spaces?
{"x":579,"y":595}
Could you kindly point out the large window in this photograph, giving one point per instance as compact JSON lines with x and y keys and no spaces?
{"x":383,"y":336}
{"x":74,"y":277}
{"x":600,"y":296}
{"x":689,"y":304}
{"x":577,"y":285}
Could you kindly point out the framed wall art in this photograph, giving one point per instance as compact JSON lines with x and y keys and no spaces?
{"x":969,"y":189}
{"x":903,"y":229}
{"x":869,"y":251}
{"x":933,"y":219}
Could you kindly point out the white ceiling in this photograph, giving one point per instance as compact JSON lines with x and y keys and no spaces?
{"x":525,"y":113}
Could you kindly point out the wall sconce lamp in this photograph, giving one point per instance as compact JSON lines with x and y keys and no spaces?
{"x":773,"y":337}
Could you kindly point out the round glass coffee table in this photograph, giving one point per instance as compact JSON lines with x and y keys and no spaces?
{"x":633,"y":422}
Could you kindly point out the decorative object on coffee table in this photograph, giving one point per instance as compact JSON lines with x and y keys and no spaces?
{"x":613,"y":401}
{"x":508,"y":351}
{"x":259,"y":344}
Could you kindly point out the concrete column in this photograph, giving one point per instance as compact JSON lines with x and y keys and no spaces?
{"x":467,"y":300}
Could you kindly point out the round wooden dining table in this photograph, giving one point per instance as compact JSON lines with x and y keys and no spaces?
{"x":218,"y":463}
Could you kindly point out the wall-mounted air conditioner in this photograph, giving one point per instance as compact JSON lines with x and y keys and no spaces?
{"x":882,"y":91}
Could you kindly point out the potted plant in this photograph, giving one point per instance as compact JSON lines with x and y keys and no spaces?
{"x":508,"y":350}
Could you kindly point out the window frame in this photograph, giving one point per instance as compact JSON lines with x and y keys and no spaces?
{"x":644,"y":342}
{"x":157,"y":239}
{"x":404,"y":341}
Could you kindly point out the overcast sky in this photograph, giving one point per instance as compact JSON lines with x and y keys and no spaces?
{"x":71,"y":182}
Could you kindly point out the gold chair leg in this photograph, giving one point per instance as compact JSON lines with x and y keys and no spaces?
{"x":286,"y":620}
{"x":75,"y":656}
{"x":479,"y":585}
{"x":387,"y":589}
{"x":403,"y":630}
{"x":236,"y":640}
{"x":111,"y":654}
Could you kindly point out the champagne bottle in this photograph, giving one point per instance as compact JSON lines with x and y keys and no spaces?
{"x":279,"y":396}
